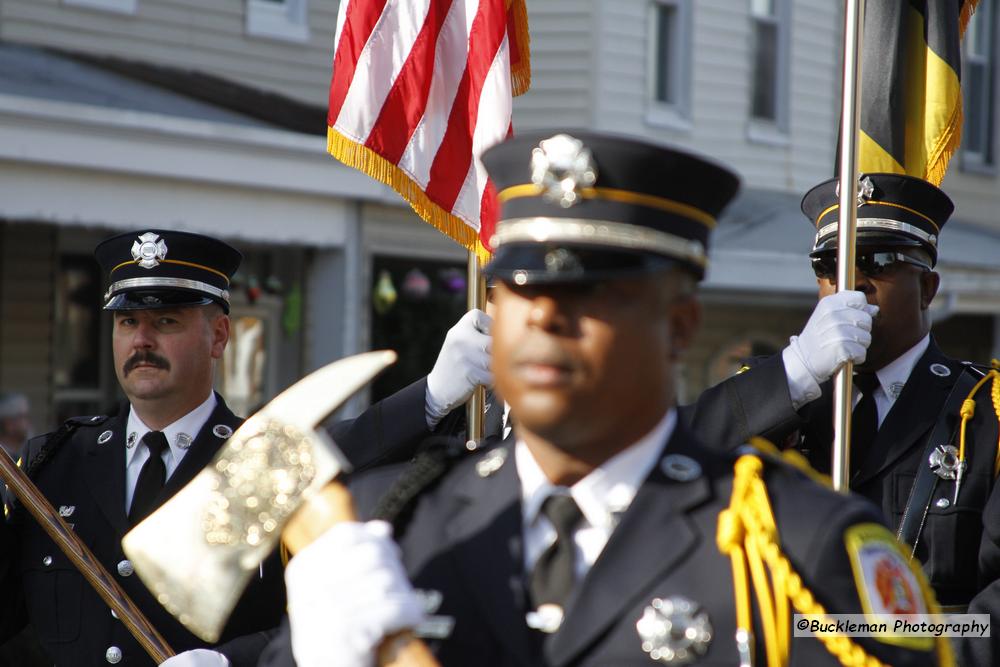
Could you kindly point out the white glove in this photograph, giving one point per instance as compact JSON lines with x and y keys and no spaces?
{"x":199,"y":657}
{"x":839,"y":330}
{"x":461,"y":366}
{"x":346,"y":592}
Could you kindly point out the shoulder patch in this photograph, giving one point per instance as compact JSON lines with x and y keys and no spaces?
{"x":886,"y":582}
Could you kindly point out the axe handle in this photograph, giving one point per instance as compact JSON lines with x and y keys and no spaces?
{"x":84,"y":560}
{"x":333,"y":505}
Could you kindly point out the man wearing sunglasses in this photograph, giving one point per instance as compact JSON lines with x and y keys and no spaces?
{"x":906,"y":445}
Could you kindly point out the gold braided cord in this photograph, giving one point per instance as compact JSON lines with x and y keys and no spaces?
{"x":747,"y":533}
{"x":968,"y":411}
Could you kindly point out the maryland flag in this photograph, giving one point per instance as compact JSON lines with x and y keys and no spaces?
{"x":420,"y":89}
{"x":911,"y":115}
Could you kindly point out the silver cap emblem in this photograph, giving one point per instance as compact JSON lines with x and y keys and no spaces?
{"x":675,"y":631}
{"x":944,"y":461}
{"x":866,"y":189}
{"x":561,"y":166}
{"x":149,"y":250}
{"x":680,"y":468}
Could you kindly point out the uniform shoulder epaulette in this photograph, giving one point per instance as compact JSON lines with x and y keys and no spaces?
{"x":35,"y":458}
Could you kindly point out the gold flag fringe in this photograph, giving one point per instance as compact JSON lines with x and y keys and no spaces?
{"x":520,"y":70}
{"x":371,"y":163}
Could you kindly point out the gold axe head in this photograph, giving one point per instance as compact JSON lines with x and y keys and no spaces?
{"x":198,"y":550}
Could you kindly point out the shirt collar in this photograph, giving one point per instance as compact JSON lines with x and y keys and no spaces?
{"x":606,"y":491}
{"x":894,"y":375}
{"x":180,"y":434}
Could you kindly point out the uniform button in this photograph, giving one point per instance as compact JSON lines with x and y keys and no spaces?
{"x":47,"y":561}
{"x":125,"y":568}
{"x":113,"y":655}
{"x":943,"y":503}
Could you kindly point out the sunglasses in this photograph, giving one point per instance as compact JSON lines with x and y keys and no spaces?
{"x":870,"y":264}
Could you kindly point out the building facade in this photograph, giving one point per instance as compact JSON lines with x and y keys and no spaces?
{"x":208,"y":115}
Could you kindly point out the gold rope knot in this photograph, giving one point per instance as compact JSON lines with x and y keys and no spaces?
{"x":968,"y":408}
{"x":731,"y":532}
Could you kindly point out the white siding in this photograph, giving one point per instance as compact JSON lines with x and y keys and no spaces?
{"x":720,"y":88}
{"x":562,"y":65}
{"x":205,"y":35}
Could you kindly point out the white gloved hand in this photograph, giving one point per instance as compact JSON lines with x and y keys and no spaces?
{"x":346,"y":592}
{"x":839,"y":330}
{"x":461,"y":366}
{"x":199,"y":657}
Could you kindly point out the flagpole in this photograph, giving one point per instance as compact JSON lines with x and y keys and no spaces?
{"x":847,"y":227}
{"x":476,"y":298}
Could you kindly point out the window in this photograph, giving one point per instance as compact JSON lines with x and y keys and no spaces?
{"x":120,"y":6}
{"x":278,"y":19}
{"x":669,"y":61}
{"x":769,"y":87}
{"x":978,"y":88}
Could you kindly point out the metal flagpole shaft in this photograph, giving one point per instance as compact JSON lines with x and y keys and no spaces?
{"x":84,"y":560}
{"x":847,"y":227}
{"x":476,"y":299}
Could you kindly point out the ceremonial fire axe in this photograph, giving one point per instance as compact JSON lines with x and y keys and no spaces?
{"x":274,"y":479}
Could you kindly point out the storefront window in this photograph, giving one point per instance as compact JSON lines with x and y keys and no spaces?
{"x":413,"y":305}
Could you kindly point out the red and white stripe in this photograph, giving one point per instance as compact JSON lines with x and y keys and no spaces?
{"x":426,"y":85}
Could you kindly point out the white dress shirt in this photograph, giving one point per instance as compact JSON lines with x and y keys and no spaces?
{"x":180,"y":435}
{"x":892,"y":377}
{"x":602,"y":496}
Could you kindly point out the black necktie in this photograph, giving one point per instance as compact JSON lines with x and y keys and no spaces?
{"x":864,"y":419}
{"x":552,"y":578}
{"x":151,"y":477}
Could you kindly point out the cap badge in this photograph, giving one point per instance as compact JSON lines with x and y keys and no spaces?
{"x":149,"y":250}
{"x":561,"y":166}
{"x":680,"y":468}
{"x":866,"y":189}
{"x":675,"y":631}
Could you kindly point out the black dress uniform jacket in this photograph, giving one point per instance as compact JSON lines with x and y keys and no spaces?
{"x":84,"y":477}
{"x":957,"y":555}
{"x":465,"y":542}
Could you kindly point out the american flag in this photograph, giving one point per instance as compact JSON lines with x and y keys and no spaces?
{"x":420,"y":89}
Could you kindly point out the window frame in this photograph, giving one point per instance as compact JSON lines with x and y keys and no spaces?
{"x":986,"y":161}
{"x":287,"y":20}
{"x":771,"y":130}
{"x":661,"y":113}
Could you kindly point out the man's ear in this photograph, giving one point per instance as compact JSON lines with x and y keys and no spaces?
{"x":684,"y":317}
{"x":220,"y":335}
{"x":930,"y":281}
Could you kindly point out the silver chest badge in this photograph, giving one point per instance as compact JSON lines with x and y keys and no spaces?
{"x":561,"y":166}
{"x":149,"y":250}
{"x":944,"y":461}
{"x":674,"y":631}
{"x":492,"y":462}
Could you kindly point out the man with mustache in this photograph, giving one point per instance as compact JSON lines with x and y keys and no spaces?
{"x":907,"y":454}
{"x":607,"y":533}
{"x":168,"y":295}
